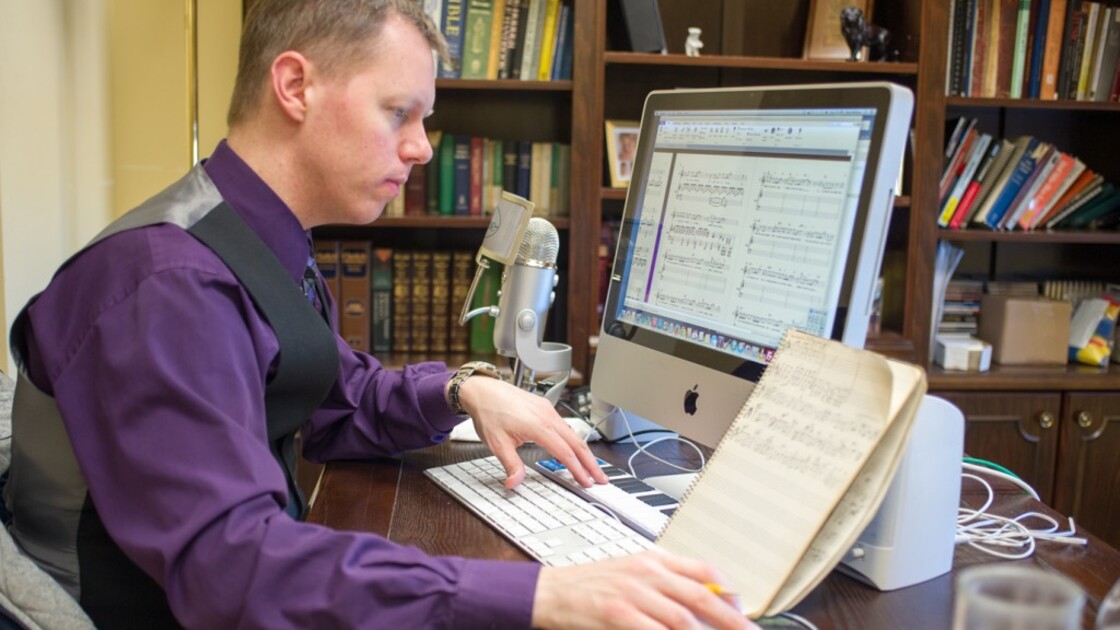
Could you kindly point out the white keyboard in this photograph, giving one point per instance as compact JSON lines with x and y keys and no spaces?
{"x":542,"y":518}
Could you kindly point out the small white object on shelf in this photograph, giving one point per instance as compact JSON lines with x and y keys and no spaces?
{"x":692,"y":45}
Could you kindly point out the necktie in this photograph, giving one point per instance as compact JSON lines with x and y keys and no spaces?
{"x":311,"y":286}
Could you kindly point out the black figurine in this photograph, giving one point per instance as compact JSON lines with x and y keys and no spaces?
{"x":858,"y":33}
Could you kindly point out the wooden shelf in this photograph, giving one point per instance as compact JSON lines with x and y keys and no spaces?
{"x":1030,"y":103}
{"x":1042,"y":236}
{"x":504,"y":84}
{"x":760,"y":63}
{"x":1028,"y":378}
{"x":471,"y":223}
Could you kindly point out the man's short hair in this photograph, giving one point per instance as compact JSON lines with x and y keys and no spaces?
{"x":335,"y":34}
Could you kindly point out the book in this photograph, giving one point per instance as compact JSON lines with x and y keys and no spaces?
{"x":326,"y":259}
{"x":416,"y":191}
{"x":509,"y":37}
{"x":1067,"y":63}
{"x":447,"y":174}
{"x":1052,"y":49}
{"x":1021,"y":146}
{"x":474,"y":183}
{"x":1045,"y":158}
{"x":1006,"y":149}
{"x":1019,"y":58}
{"x":977,"y":153}
{"x":1037,"y":45}
{"x":800,"y":472}
{"x":1087,"y":195}
{"x":353,"y":322}
{"x":496,"y":41}
{"x":1065,"y":172}
{"x":451,"y":25}
{"x":432,"y":177}
{"x":972,"y":191}
{"x":441,"y":302}
{"x":956,"y":162}
{"x":486,"y":294}
{"x":534,"y":27}
{"x":420,"y":312}
{"x":461,"y":176}
{"x":1110,"y":51}
{"x":381,"y":299}
{"x":1017,"y":175}
{"x":476,"y":39}
{"x":1090,"y":25}
{"x":1086,"y":179}
{"x":402,"y":301}
{"x":462,"y":270}
{"x":548,"y":40}
{"x":1102,"y":204}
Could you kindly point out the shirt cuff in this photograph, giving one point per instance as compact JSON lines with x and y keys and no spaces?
{"x":431,"y":391}
{"x":490,"y":590}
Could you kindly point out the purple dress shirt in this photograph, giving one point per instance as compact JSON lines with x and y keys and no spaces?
{"x":158,"y":360}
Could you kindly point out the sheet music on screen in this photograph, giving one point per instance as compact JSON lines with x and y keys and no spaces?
{"x":741,"y":229}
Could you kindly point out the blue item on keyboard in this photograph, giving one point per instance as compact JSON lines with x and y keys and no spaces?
{"x":639,"y":505}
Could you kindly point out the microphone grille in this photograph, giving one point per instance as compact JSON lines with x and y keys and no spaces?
{"x":540,"y":245}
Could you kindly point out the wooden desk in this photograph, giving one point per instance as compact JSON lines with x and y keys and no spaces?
{"x":392,"y":498}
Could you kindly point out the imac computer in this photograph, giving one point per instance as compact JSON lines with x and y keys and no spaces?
{"x":750,"y":211}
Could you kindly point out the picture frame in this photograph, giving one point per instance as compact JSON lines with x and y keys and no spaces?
{"x":823,"y":39}
{"x":622,"y":144}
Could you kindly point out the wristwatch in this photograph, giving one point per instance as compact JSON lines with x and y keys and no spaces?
{"x":467,"y":370}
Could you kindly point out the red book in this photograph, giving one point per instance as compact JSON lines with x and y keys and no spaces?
{"x":965,"y":205}
{"x":416,"y":191}
{"x":475,"y":208}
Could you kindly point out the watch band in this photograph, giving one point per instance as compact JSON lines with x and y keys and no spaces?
{"x":464,"y":372}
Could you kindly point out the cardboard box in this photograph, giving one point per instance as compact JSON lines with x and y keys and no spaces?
{"x":965,"y":353}
{"x":1025,"y":329}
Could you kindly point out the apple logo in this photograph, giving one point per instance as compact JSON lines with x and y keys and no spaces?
{"x":690,"y":398}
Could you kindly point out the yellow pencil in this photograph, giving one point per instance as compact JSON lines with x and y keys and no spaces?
{"x":721,"y":590}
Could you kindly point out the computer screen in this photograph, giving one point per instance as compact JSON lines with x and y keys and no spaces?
{"x":750,"y":211}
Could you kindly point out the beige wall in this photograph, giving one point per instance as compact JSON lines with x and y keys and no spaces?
{"x":153,"y":84}
{"x":93,"y":119}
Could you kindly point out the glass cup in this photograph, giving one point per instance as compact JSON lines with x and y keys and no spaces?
{"x":1019,"y":597}
{"x":1108,"y":615}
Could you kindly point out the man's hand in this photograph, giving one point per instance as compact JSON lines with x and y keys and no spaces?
{"x":647,"y":590}
{"x":506,"y":417}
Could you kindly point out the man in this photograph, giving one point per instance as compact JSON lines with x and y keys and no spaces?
{"x":152,"y":482}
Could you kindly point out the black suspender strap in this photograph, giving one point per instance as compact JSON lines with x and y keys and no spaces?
{"x":308,"y":362}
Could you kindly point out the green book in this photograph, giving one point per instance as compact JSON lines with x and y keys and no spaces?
{"x":447,"y":175}
{"x":485,"y":294}
{"x":476,"y":41}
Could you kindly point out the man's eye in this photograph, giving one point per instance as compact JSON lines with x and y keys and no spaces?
{"x":400,"y":114}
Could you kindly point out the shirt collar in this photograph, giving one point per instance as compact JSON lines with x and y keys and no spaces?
{"x":260,"y":207}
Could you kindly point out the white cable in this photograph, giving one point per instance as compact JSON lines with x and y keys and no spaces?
{"x":990,"y":532}
{"x":1002,"y":475}
{"x":642,"y":449}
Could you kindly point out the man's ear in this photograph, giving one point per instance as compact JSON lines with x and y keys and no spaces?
{"x":290,"y":72}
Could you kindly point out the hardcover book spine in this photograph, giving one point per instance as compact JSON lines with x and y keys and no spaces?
{"x":402,"y":301}
{"x":421,"y":301}
{"x":461,"y":168}
{"x":326,"y":259}
{"x":462,"y":270}
{"x":381,"y":299}
{"x":447,"y":175}
{"x":486,"y":294}
{"x":354,"y":321}
{"x":441,"y":301}
{"x":476,"y":39}
{"x":452,"y":27}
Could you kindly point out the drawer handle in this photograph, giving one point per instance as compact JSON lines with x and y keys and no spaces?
{"x":1084,"y":419}
{"x":1046,"y":419}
